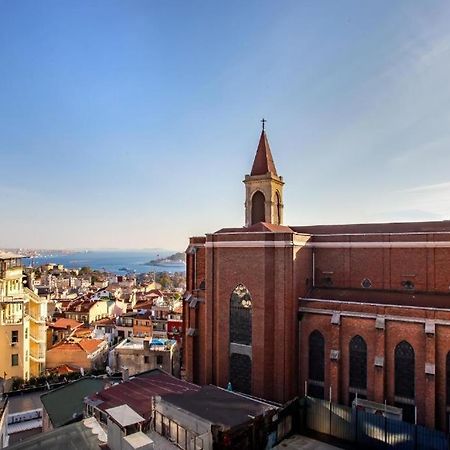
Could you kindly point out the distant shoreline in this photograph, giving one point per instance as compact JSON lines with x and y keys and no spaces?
{"x":175,"y":260}
{"x":110,"y":261}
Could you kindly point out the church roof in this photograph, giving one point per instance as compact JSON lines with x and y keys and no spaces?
{"x":382,"y":297}
{"x":361,"y":228}
{"x":260,"y":227}
{"x":375,"y":228}
{"x":263,"y":162}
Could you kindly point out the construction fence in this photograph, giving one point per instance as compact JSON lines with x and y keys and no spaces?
{"x":363,"y":428}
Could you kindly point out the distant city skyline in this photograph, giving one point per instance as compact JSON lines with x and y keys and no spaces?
{"x":130,"y":125}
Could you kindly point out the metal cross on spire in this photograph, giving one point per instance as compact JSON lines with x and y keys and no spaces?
{"x":263,"y":121}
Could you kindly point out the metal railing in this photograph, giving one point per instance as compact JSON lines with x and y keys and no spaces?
{"x":38,"y":340}
{"x":366,"y":429}
{"x":37,"y":357}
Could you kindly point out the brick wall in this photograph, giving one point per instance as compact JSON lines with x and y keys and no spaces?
{"x":401,"y":323}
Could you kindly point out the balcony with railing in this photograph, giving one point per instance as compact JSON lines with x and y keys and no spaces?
{"x":37,"y":354}
{"x":10,"y":267}
{"x":11,"y":317}
{"x":38,"y":337}
{"x":12,"y":273}
{"x":40,"y":320}
{"x":34,"y":297}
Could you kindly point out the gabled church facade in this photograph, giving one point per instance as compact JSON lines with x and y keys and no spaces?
{"x":340,"y":310}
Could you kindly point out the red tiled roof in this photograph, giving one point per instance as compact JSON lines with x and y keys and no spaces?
{"x":64,"y":369}
{"x":63,"y":323}
{"x":84,"y":345}
{"x":105,"y":321}
{"x":82,"y":332}
{"x":144,"y":304}
{"x":90,"y":345}
{"x":258,"y":228}
{"x":155,"y":292}
{"x":263,"y":162}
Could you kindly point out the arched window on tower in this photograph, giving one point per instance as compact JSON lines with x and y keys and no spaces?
{"x":316,"y":364}
{"x":405,"y":379}
{"x":241,"y":334}
{"x":277,"y":208}
{"x":357,"y":368}
{"x":258,"y":207}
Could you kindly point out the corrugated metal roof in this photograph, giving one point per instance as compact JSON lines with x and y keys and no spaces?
{"x":73,"y":436}
{"x":139,"y":391}
{"x":66,"y":403}
{"x":24,"y":426}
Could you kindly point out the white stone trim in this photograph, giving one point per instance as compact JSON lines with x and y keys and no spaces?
{"x":390,"y":305}
{"x":371,"y":316}
{"x":405,"y":244}
{"x":251,"y":244}
{"x":241,"y":349}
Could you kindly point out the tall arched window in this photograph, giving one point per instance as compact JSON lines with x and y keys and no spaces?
{"x":357,"y":367}
{"x":277,"y":208}
{"x":241,"y":339}
{"x":258,"y":207}
{"x":316,"y":364}
{"x":241,"y":316}
{"x":405,"y":379}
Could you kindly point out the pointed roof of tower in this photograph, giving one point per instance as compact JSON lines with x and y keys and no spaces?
{"x":263,"y":162}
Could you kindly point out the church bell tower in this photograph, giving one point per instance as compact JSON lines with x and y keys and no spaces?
{"x":263,"y":187}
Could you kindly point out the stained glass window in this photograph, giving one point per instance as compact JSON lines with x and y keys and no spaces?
{"x":241,"y":316}
{"x":241,"y":333}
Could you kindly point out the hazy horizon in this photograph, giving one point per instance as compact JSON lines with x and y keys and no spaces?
{"x":131,"y":125}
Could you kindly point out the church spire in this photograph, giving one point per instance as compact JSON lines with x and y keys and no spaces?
{"x":263,"y":162}
{"x":263,"y":187}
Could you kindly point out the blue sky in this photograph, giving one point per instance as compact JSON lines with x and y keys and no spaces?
{"x":132,"y":123}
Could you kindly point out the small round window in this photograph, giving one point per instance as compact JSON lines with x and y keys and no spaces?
{"x":366,"y":283}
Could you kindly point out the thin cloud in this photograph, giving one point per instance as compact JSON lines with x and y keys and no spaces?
{"x":429,"y":187}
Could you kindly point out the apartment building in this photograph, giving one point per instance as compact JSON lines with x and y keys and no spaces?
{"x":22,"y":322}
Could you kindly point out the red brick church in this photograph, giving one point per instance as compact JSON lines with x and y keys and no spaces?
{"x":337,"y":310}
